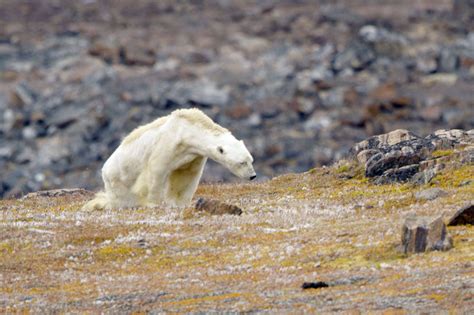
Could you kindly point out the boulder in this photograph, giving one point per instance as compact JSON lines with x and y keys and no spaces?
{"x":463,"y":216}
{"x":400,"y":155}
{"x":420,"y":234}
{"x":430,"y":194}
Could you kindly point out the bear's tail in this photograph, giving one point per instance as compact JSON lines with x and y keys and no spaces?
{"x":100,"y":202}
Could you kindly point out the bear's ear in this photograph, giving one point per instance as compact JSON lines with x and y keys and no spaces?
{"x":220,"y":149}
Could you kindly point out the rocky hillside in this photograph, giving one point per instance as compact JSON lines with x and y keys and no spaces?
{"x":327,"y":240}
{"x":300,"y":81}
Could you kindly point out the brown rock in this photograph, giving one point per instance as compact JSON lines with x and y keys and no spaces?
{"x":216,"y":207}
{"x":420,"y":234}
{"x":396,"y":136}
{"x":365,"y":155}
{"x":463,"y":216}
{"x":59,"y":193}
{"x":137,"y":55}
{"x":108,"y":53}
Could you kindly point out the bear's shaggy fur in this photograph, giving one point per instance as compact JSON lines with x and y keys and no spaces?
{"x":163,"y":161}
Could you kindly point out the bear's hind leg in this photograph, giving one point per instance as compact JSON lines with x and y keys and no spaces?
{"x":119,"y":195}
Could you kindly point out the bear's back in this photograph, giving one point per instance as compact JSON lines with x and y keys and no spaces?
{"x":139,"y":131}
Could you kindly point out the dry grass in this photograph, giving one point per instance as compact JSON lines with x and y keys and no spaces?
{"x":328,"y":224}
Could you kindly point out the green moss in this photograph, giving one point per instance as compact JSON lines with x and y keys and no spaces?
{"x":441,"y":153}
{"x":450,"y":178}
{"x":6,"y":248}
{"x":343,"y":169}
{"x":117,"y":252}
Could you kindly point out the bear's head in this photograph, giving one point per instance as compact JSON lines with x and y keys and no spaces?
{"x":233,"y":154}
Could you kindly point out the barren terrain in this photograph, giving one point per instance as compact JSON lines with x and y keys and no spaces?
{"x":329,"y":224}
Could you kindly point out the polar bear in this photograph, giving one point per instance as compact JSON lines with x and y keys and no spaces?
{"x":163,"y":161}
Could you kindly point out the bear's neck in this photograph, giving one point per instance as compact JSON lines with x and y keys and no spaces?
{"x":203,"y":142}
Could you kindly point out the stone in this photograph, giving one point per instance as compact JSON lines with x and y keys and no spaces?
{"x":430,"y":194}
{"x":421,"y":234}
{"x":356,"y":56}
{"x":463,"y":216}
{"x":464,"y":10}
{"x":202,"y":92}
{"x":59,"y":193}
{"x":448,"y":61}
{"x":105,"y":51}
{"x":314,"y":285}
{"x":215,"y":207}
{"x":137,"y":55}
{"x":423,"y":177}
{"x":24,"y":95}
{"x":383,"y":41}
{"x":398,"y":174}
{"x":380,"y":163}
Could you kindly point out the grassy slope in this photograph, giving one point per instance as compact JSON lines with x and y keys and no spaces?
{"x":328,"y":224}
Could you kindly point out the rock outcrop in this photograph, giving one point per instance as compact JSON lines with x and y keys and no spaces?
{"x":401,"y":155}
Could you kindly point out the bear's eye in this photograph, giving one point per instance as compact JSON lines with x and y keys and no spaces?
{"x":221,"y":150}
{"x":243,"y":163}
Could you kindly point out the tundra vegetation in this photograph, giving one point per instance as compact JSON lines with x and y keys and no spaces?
{"x":329,"y":224}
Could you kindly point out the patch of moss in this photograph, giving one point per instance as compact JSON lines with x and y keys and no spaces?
{"x":437,"y":297}
{"x":205,"y":299}
{"x":451,"y":178}
{"x":117,"y":252}
{"x":441,"y":153}
{"x":6,"y":248}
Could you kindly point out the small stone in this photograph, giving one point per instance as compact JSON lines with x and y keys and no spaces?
{"x":430,"y":194}
{"x":463,"y":216}
{"x":396,"y":136}
{"x":420,"y":234}
{"x":59,"y":193}
{"x":137,"y":55}
{"x":216,"y":207}
{"x":314,"y":285}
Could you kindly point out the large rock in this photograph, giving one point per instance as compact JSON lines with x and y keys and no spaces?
{"x":401,"y":155}
{"x":420,"y":234}
{"x":463,"y":216}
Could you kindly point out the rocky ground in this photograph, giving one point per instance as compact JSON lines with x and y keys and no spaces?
{"x":338,"y":225}
{"x":300,"y":81}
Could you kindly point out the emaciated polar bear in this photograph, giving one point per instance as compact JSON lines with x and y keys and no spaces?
{"x":164,"y":160}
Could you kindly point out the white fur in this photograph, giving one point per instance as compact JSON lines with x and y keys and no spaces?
{"x":163,"y":161}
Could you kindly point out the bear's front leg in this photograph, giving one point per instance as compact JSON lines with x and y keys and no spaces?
{"x":156,"y":188}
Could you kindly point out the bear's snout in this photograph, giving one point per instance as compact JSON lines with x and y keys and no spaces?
{"x":253,"y":177}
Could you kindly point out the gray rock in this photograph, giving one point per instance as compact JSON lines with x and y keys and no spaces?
{"x":464,"y":10}
{"x":420,"y":234}
{"x":400,"y":155}
{"x":25,"y":95}
{"x":397,"y":174}
{"x":383,"y":41}
{"x":448,"y":61}
{"x":423,"y":177}
{"x":380,"y":163}
{"x":430,"y":194}
{"x":202,"y":92}
{"x":463,"y":216}
{"x":356,"y":56}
